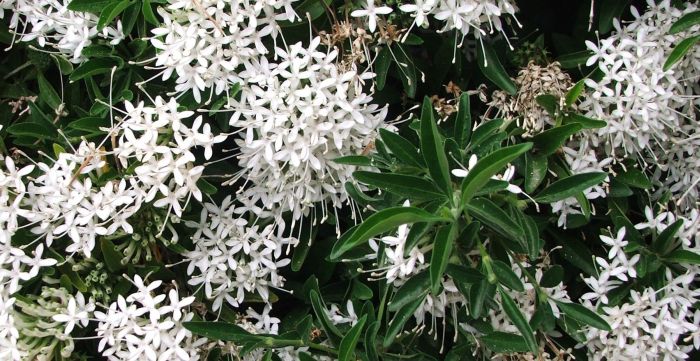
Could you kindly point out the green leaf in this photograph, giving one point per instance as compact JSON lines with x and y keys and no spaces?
{"x":463,"y":274}
{"x":488,"y":166}
{"x":574,"y":93}
{"x":400,"y":318}
{"x":550,"y":103}
{"x":506,"y":276}
{"x":48,"y":93}
{"x":148,"y":15}
{"x":359,"y":160}
{"x":680,"y":50}
{"x":549,"y":141}
{"x":92,"y":6}
{"x":346,"y":352}
{"x":685,"y":22}
{"x":361,"y":291}
{"x":493,"y":216}
{"x":93,"y":67}
{"x":432,"y":148}
{"x":535,"y":171}
{"x":610,"y":10}
{"x":380,"y":222}
{"x":408,"y":186}
{"x":513,"y":312}
{"x":332,"y":332}
{"x":64,"y":66}
{"x":206,"y":187}
{"x":503,"y":342}
{"x":90,"y":124}
{"x":381,"y":67}
{"x":663,"y":244}
{"x":552,"y":277}
{"x":401,"y":148}
{"x":478,"y":293}
{"x":583,"y":315}
{"x":577,"y":254}
{"x":442,"y":250}
{"x":492,"y":68}
{"x":30,"y":129}
{"x":634,"y":177}
{"x":585,"y":122}
{"x":683,"y":256}
{"x":314,"y":8}
{"x":73,"y":276}
{"x":112,"y":258}
{"x":570,"y":186}
{"x":110,"y":12}
{"x":415,"y":287}
{"x":407,"y":70}
{"x":220,"y":331}
{"x":463,"y":121}
{"x":484,"y":132}
{"x":574,"y":60}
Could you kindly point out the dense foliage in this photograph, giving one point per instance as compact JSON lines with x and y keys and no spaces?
{"x":352,"y":180}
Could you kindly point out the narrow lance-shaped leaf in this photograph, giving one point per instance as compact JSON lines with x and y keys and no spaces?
{"x":346,"y":351}
{"x":505,"y":342}
{"x":570,"y":186}
{"x":415,"y":287}
{"x":219,"y":331}
{"x":680,"y":50}
{"x":685,"y":22}
{"x":492,"y":68}
{"x":380,"y":222}
{"x":442,"y":250}
{"x":551,"y":140}
{"x":401,"y":148}
{"x":513,"y":312}
{"x":408,"y":186}
{"x":432,"y":148}
{"x":399,"y":320}
{"x":463,"y":122}
{"x":506,"y":276}
{"x":488,"y":166}
{"x":583,"y":315}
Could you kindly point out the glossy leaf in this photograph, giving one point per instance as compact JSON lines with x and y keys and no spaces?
{"x":506,"y":276}
{"x":535,"y":171}
{"x":503,"y":342}
{"x":442,"y":250}
{"x":574,"y":93}
{"x":409,"y":186}
{"x":400,"y":319}
{"x":552,"y":277}
{"x":431,"y":146}
{"x":380,"y":222}
{"x":463,"y":121}
{"x":570,"y":186}
{"x":401,"y":148}
{"x":415,"y":287}
{"x":488,"y":166}
{"x":683,"y":256}
{"x":686,"y":22}
{"x":220,"y":331}
{"x":493,"y":216}
{"x":491,"y":67}
{"x":680,"y":50}
{"x":583,"y":315}
{"x":549,"y":141}
{"x":332,"y":332}
{"x":513,"y":312}
{"x":346,"y":351}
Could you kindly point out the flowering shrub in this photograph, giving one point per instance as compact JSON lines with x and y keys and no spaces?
{"x":349,"y":180}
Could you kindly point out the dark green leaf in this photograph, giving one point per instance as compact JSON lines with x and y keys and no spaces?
{"x":550,"y":103}
{"x":574,"y":60}
{"x":683,"y":256}
{"x":488,"y":166}
{"x":415,"y":287}
{"x":359,"y":160}
{"x":73,"y":276}
{"x":30,"y":129}
{"x":432,"y":148}
{"x":663,"y":244}
{"x":112,"y":258}
{"x":506,"y":276}
{"x":148,"y":15}
{"x":513,"y":312}
{"x":585,"y":122}
{"x":406,"y":70}
{"x":463,"y":122}
{"x":493,"y":70}
{"x":442,"y":250}
{"x":535,"y":171}
{"x":48,"y":93}
{"x":583,"y":315}
{"x":112,"y":11}
{"x":90,"y":124}
{"x":346,"y":351}
{"x":219,"y":331}
{"x":478,"y":293}
{"x":633,"y":177}
{"x":381,"y":67}
{"x":361,"y":291}
{"x":503,"y":342}
{"x":93,"y":67}
{"x":399,"y":320}
{"x":408,"y":186}
{"x":610,"y":10}
{"x":92,"y":6}
{"x":401,"y":148}
{"x":549,"y":141}
{"x":685,"y":22}
{"x":371,"y":341}
{"x":332,"y":332}
{"x":570,"y":186}
{"x":574,"y":93}
{"x":493,"y":216}
{"x":680,"y":50}
{"x":380,"y":222}
{"x":552,"y":277}
{"x":206,"y":187}
{"x":484,"y":132}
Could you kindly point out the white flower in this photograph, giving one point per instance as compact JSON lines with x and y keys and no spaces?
{"x":371,"y":12}
{"x":76,"y":313}
{"x":616,"y":244}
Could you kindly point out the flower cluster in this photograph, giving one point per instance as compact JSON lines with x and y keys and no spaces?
{"x":204,"y":42}
{"x":297,"y":116}
{"x":233,"y":257}
{"x":465,"y":16}
{"x":50,"y":23}
{"x":147,"y":326}
{"x":648,"y":109}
